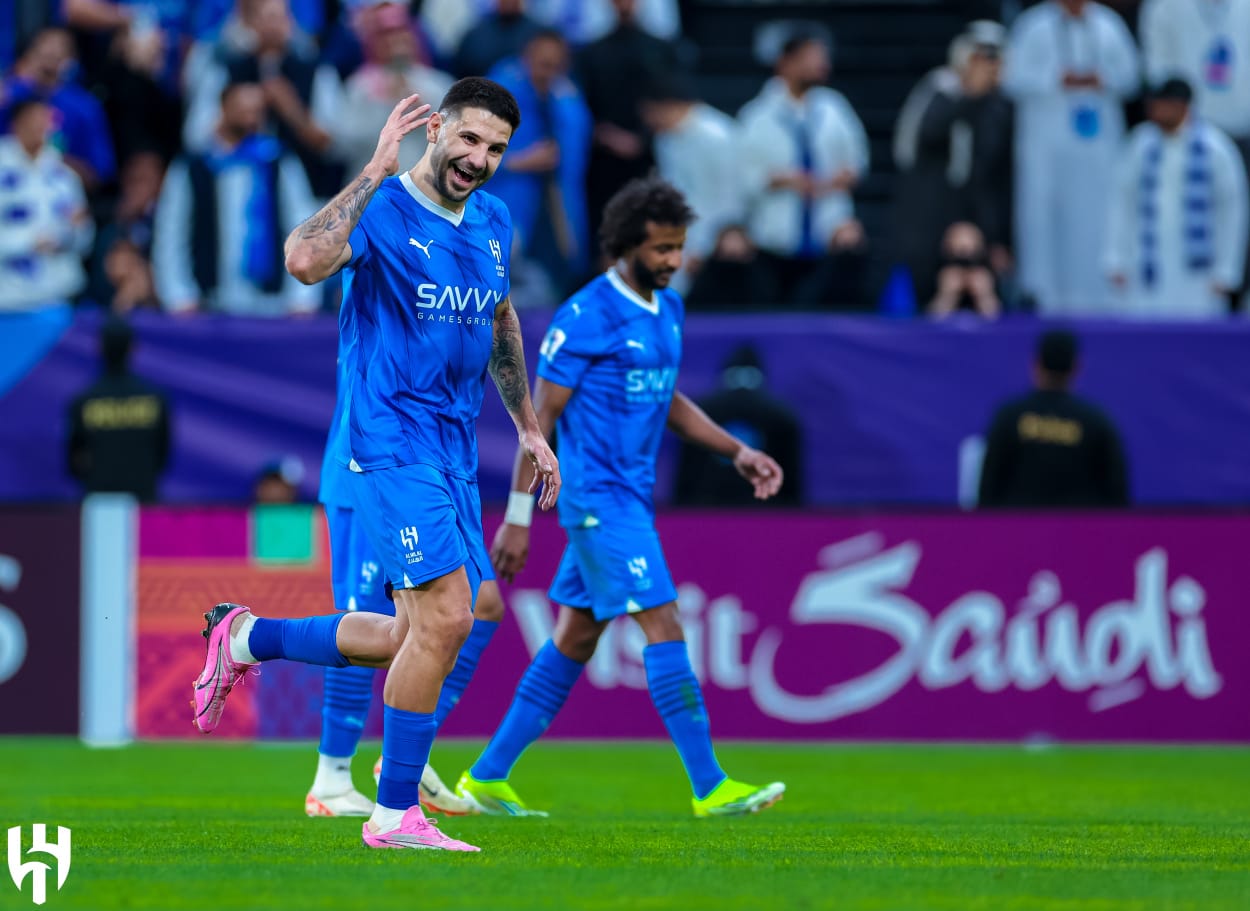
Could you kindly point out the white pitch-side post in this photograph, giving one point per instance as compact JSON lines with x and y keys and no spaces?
{"x":107,"y":661}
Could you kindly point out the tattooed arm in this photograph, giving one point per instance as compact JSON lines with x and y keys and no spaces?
{"x":507,"y":369}
{"x":318,"y":248}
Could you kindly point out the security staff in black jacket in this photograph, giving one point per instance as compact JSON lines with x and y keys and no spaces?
{"x":119,"y":427}
{"x":1052,"y":448}
{"x":747,"y":410}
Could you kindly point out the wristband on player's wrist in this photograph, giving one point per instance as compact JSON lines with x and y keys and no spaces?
{"x":520,"y":509}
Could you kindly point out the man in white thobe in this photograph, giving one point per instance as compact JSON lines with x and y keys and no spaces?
{"x":44,"y":225}
{"x":803,"y":150}
{"x":696,"y":151}
{"x":1207,"y":43}
{"x":1070,"y":65}
{"x":1177,"y":232}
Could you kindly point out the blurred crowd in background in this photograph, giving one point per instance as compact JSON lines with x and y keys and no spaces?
{"x":157,"y":153}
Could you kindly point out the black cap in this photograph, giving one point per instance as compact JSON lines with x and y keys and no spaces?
{"x":1057,"y":350}
{"x":1172,"y":89}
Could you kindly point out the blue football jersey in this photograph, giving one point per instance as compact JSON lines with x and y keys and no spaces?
{"x":620,"y":355}
{"x":422,"y":285}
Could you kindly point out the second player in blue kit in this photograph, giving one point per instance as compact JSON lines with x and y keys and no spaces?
{"x":607,"y":385}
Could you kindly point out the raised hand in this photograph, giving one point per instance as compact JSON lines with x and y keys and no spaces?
{"x":401,"y":122}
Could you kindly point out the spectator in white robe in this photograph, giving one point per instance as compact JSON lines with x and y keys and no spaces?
{"x":44,"y":225}
{"x":695,"y":150}
{"x":1178,"y":225}
{"x":1070,"y":65}
{"x":1206,"y":42}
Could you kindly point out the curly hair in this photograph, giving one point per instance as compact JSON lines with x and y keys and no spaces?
{"x":645,"y":199}
{"x":477,"y":92}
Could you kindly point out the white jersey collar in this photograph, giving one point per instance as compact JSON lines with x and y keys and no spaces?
{"x":651,"y":306}
{"x":415,"y":192}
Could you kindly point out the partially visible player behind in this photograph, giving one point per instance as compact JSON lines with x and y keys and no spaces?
{"x":427,"y":280}
{"x":358,"y":584}
{"x":606,"y":379}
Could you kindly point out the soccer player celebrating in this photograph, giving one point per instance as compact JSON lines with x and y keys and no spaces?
{"x":426,"y":304}
{"x":606,"y":380}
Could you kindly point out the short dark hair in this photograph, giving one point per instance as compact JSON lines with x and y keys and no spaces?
{"x":799,"y":40}
{"x":18,"y":109}
{"x":232,"y":86}
{"x":1057,"y":351}
{"x":28,"y":45}
{"x":642,"y":200}
{"x":1172,"y":89}
{"x":669,"y":85}
{"x":547,"y":34}
{"x":478,"y":92}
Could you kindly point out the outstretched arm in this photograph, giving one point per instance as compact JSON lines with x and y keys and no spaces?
{"x":318,"y":248}
{"x":691,"y":423}
{"x":507,"y":369}
{"x":510,"y":549}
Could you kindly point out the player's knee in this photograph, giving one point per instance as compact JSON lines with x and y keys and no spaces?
{"x":489,"y":603}
{"x":448,"y":629}
{"x":577,"y":641}
{"x":661,"y":624}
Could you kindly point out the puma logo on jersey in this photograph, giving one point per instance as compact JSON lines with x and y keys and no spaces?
{"x":423,"y":247}
{"x":634,"y":343}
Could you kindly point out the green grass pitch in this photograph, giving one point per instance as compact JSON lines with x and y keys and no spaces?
{"x":219,"y":826}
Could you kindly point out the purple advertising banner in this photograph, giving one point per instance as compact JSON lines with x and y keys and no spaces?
{"x":890,"y":411}
{"x":39,"y":619}
{"x":944,"y":626}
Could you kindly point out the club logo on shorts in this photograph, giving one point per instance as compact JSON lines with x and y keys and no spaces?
{"x":369,"y":572}
{"x":408,"y":537}
{"x":639,"y":570}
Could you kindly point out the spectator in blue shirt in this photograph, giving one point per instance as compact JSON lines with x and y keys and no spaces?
{"x":543,"y":178}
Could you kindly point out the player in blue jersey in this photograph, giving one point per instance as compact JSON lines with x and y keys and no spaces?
{"x":426,"y":282}
{"x":606,"y":383}
{"x":358,"y":585}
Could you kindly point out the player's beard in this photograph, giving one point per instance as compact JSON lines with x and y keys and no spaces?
{"x":652,"y":281}
{"x":442,"y":178}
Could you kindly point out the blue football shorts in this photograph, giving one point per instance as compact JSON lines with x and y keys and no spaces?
{"x":613,"y":570}
{"x":355,"y":573}
{"x":422,"y":524}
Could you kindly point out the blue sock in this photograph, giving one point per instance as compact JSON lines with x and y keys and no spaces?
{"x":406,"y":741}
{"x":539,"y":696}
{"x":310,"y":640}
{"x":466,"y":664}
{"x":344,"y":708}
{"x":679,"y":700}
